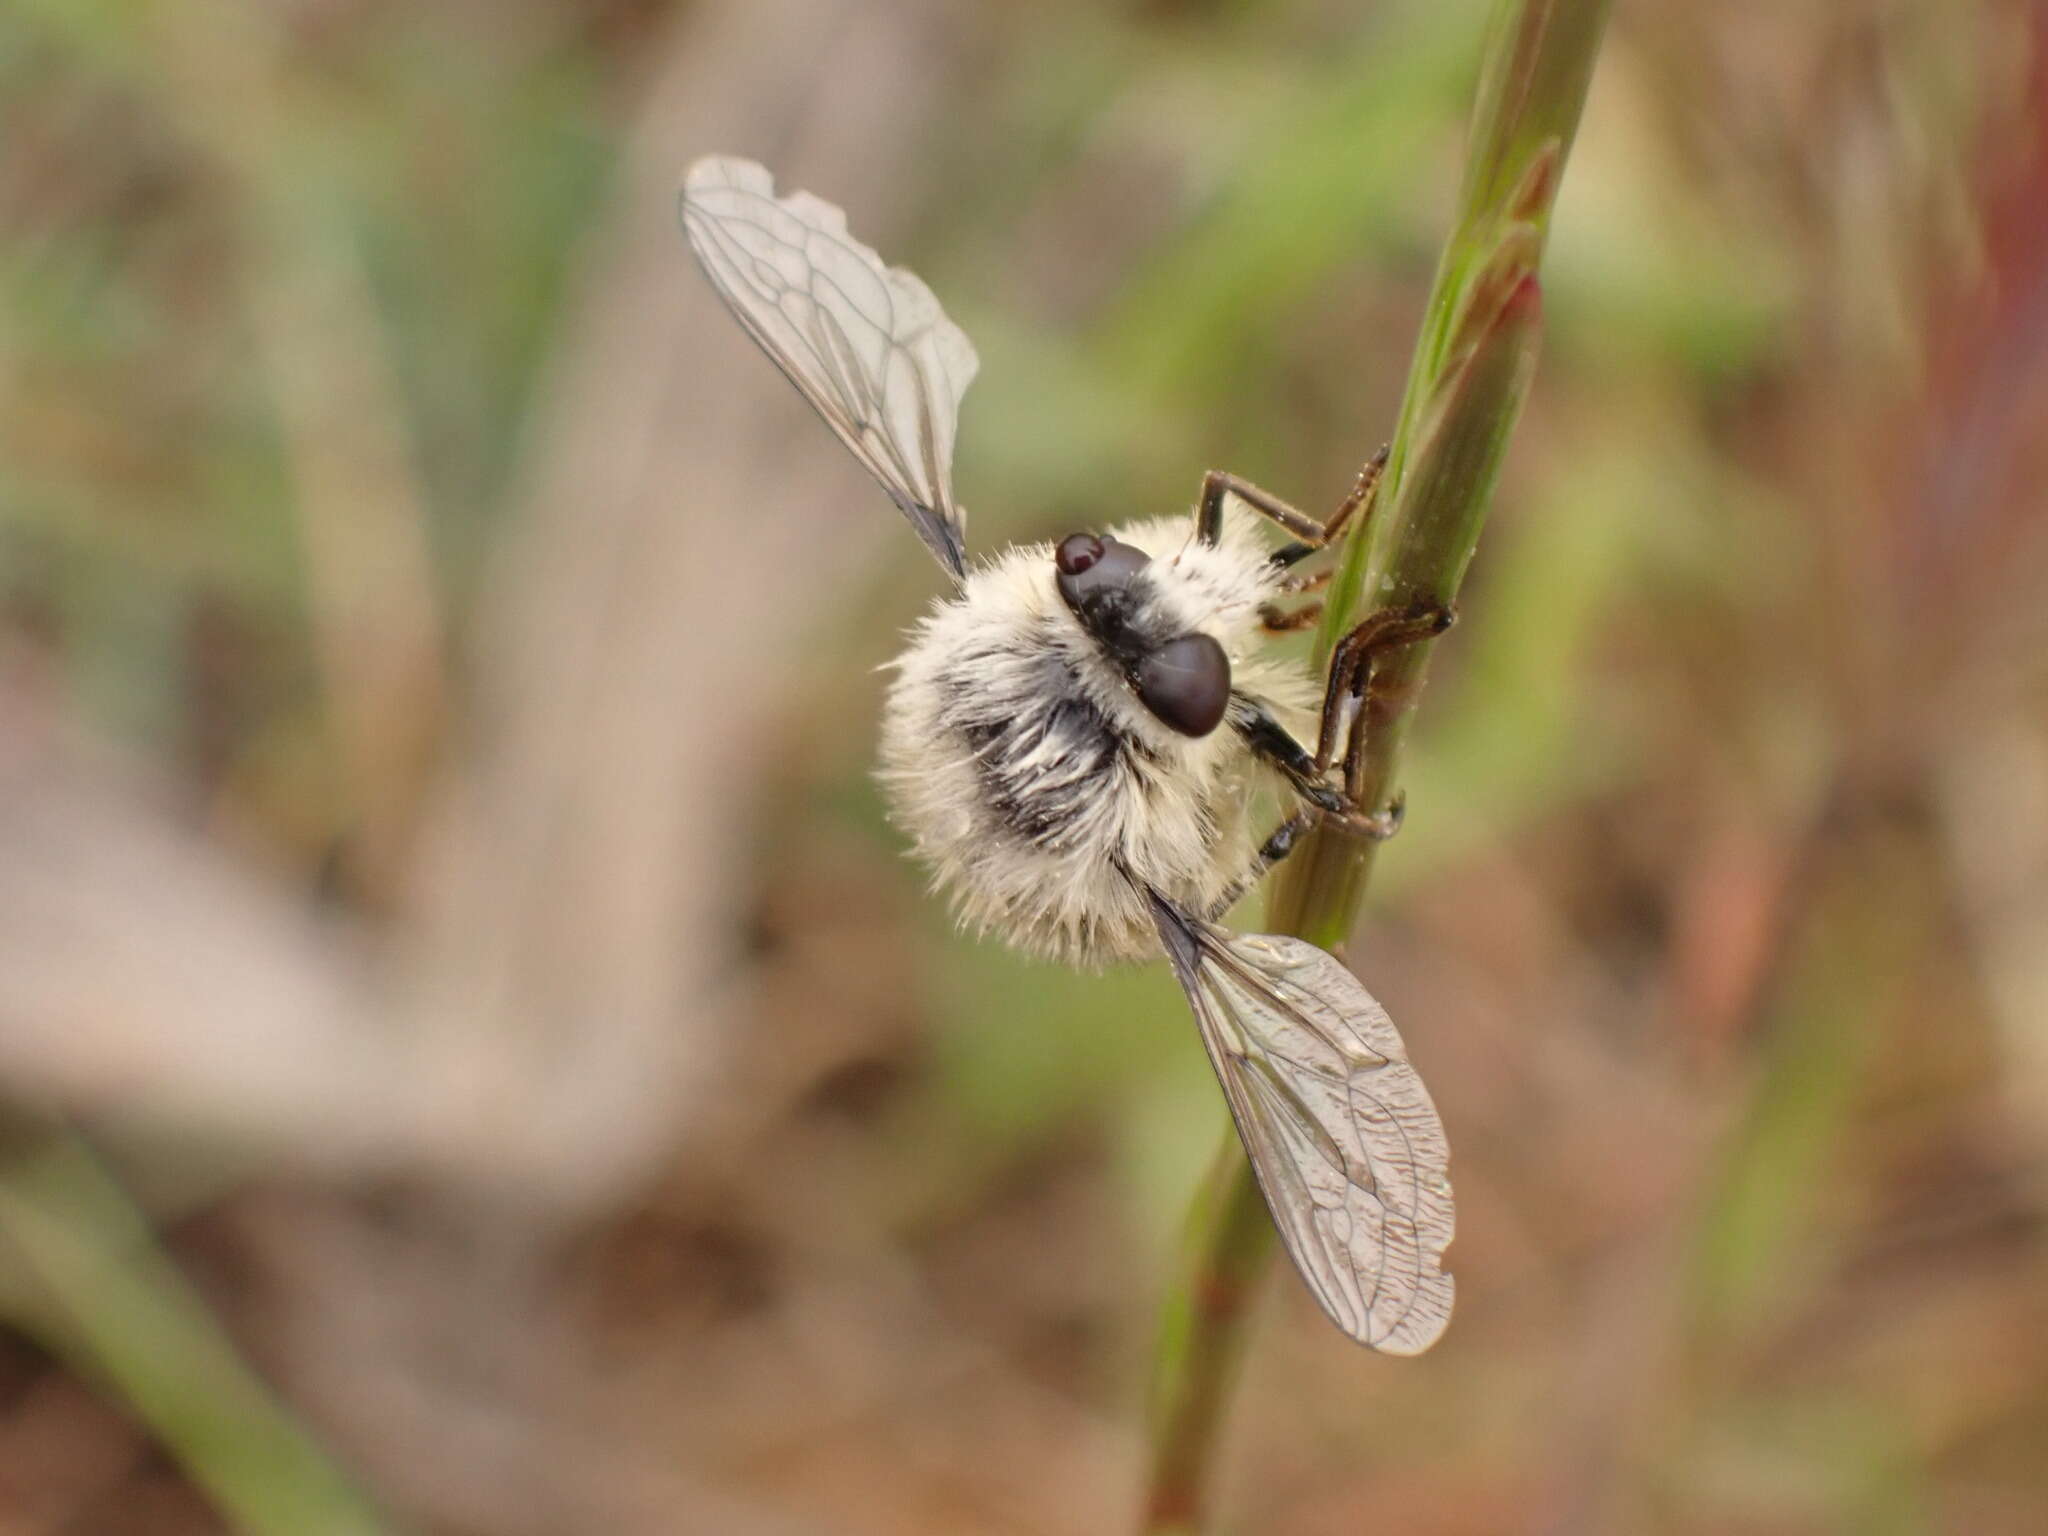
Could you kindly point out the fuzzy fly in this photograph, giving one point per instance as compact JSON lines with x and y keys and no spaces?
{"x":1075,"y":733}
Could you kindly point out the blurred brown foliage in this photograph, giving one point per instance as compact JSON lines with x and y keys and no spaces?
{"x":438,"y":874}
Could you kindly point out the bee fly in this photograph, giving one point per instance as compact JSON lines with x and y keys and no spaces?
{"x":1073,"y":737}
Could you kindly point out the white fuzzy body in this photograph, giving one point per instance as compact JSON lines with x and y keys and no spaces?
{"x":1043,"y":795}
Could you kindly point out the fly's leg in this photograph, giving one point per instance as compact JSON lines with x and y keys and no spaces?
{"x":1271,"y":852}
{"x":1309,"y":535}
{"x":1275,"y":620}
{"x":1346,"y":712}
{"x":1272,"y":743}
{"x":1281,"y":843}
{"x":1307,"y":581}
{"x":1348,"y":694}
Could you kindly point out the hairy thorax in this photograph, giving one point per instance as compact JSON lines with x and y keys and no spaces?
{"x":1043,"y":796}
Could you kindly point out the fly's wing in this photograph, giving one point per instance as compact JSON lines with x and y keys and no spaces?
{"x":866,"y":344}
{"x":1342,"y":1136}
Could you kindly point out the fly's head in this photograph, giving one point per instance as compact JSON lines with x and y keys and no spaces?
{"x":1183,"y":679}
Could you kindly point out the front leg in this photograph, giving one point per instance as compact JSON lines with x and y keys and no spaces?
{"x":1309,"y":534}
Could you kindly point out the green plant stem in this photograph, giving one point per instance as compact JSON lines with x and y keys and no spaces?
{"x":113,"y":1304}
{"x":1471,"y":370}
{"x":1230,"y":1240}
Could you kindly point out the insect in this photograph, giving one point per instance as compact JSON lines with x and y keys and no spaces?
{"x":1074,"y":734}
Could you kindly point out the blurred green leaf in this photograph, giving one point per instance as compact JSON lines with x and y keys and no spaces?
{"x":119,"y":1309}
{"x":1309,"y":195}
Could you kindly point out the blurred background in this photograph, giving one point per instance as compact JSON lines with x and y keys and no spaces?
{"x":473,"y":1058}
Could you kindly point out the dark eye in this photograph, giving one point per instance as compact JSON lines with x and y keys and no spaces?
{"x":1186,"y":683}
{"x":1088,"y":565}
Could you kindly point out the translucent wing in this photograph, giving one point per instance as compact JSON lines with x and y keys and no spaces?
{"x":866,"y":344}
{"x":1342,"y":1136}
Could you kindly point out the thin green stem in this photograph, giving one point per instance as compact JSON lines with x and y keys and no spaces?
{"x":114,"y":1305}
{"x":1230,"y":1240}
{"x":1470,"y":373}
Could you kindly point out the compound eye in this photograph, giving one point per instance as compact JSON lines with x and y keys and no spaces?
{"x":1186,"y":683}
{"x":1076,"y":553}
{"x":1088,"y":565}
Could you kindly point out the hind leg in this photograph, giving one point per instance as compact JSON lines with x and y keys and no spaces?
{"x":1271,"y":852}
